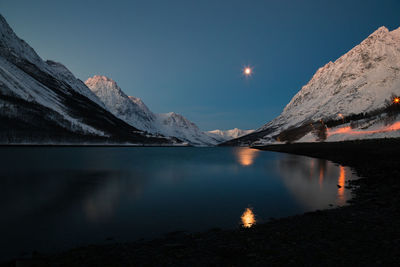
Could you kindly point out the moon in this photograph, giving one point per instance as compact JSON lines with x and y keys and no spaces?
{"x":247,"y":71}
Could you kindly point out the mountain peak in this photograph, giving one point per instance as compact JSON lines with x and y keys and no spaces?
{"x":379,"y":34}
{"x":4,"y":24}
{"x":101,"y":78}
{"x":380,"y":30}
{"x":103,"y":82}
{"x":14,"y":48}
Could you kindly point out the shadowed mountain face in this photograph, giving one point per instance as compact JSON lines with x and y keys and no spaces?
{"x":42,"y":101}
{"x":356,"y":86}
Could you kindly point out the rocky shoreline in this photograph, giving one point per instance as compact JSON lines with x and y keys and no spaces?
{"x":361,"y":234}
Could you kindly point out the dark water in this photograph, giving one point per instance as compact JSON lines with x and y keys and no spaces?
{"x":56,"y":198}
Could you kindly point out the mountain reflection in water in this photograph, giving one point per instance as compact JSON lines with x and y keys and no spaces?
{"x":312,"y":181}
{"x":61,"y":198}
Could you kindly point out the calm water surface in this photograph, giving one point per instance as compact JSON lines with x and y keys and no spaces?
{"x":56,"y":198}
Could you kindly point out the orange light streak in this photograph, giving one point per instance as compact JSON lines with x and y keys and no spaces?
{"x":347,"y":130}
{"x":321,"y":176}
{"x":341,"y":183}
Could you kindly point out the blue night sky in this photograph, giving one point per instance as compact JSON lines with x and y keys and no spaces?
{"x":187,"y":56}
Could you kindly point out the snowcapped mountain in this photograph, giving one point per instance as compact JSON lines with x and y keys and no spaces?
{"x":42,"y":101}
{"x":359,"y":82}
{"x":223,"y":136}
{"x":133,"y":111}
{"x":172,"y":124}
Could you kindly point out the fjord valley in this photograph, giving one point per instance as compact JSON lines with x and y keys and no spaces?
{"x":354,"y":97}
{"x":181,"y":133}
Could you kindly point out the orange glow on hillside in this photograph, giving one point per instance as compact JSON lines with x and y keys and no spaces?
{"x":396,"y":100}
{"x":347,"y":130}
{"x":340,"y":115}
{"x":248,"y":218}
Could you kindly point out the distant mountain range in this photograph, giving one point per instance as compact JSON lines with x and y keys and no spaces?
{"x":43,"y":102}
{"x":133,"y":111}
{"x":351,"y":98}
{"x":223,"y":136}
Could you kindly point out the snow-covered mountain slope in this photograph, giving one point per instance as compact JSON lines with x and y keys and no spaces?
{"x":43,"y":101}
{"x":223,"y":136}
{"x":133,"y":111}
{"x":172,"y":124}
{"x":17,"y":51}
{"x":358,"y":82}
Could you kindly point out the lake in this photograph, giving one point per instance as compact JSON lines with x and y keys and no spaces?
{"x":55,"y":198}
